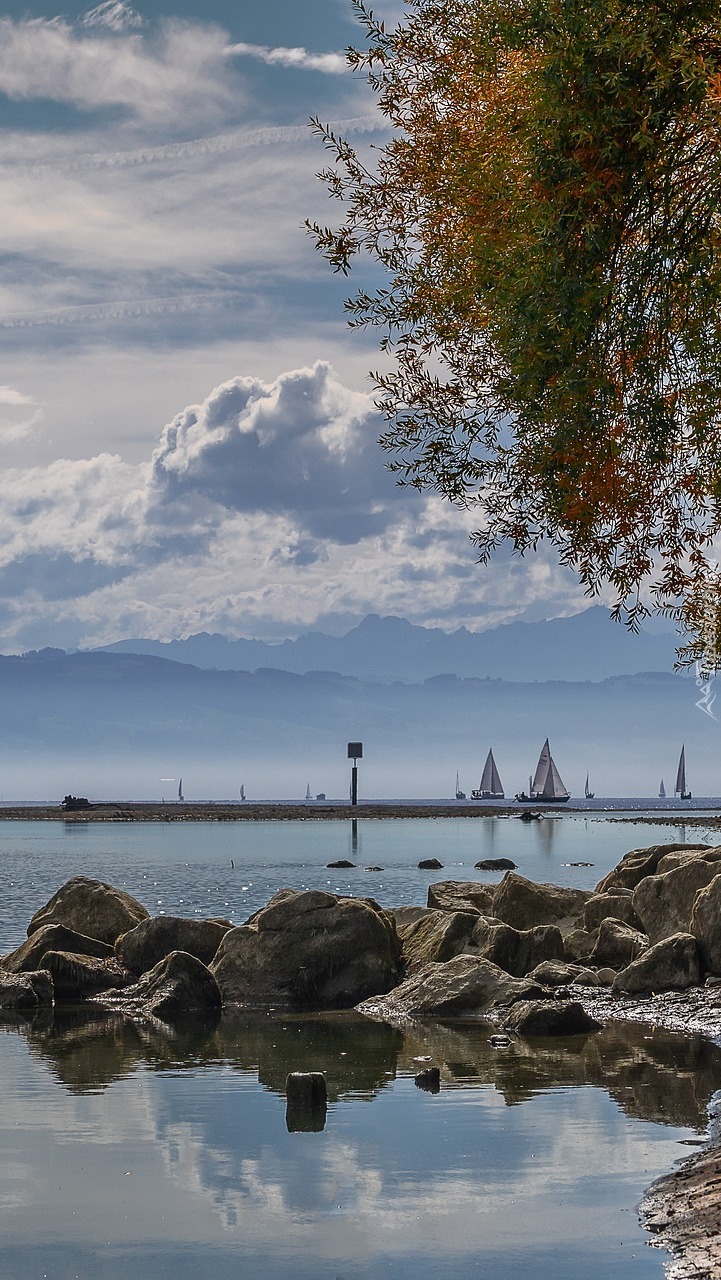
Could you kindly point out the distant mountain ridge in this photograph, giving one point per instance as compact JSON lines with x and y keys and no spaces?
{"x":586,"y":646}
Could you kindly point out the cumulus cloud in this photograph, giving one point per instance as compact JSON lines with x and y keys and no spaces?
{"x":304,"y":446}
{"x":116,"y":15}
{"x":180,"y":71}
{"x":334,"y":64}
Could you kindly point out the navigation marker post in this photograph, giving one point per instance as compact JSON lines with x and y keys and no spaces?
{"x":355,"y":753}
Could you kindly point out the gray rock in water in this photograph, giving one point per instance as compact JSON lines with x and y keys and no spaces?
{"x":670,"y":965}
{"x":25,"y":992}
{"x":516,"y":951}
{"x":461,"y":895}
{"x":525,"y":904}
{"x":435,"y":936}
{"x":466,"y":985}
{"x":340,"y":864}
{"x":53,"y":937}
{"x":617,"y":944}
{"x":150,"y":941}
{"x":664,"y":903}
{"x":429,"y":1080}
{"x":309,"y":950}
{"x":92,"y":908}
{"x":706,"y":925}
{"x":430,"y":864}
{"x":495,"y":864}
{"x":179,"y":988}
{"x":306,"y":1101}
{"x":550,"y":1018}
{"x":76,"y":976}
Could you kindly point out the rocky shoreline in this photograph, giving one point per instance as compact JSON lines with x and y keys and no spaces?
{"x":537,"y":961}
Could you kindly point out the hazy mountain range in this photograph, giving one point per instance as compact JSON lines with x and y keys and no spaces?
{"x":587,"y":646}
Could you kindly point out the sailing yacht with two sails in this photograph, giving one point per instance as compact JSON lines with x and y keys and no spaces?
{"x":680,"y":788}
{"x":547,"y":785}
{"x":491,"y":787}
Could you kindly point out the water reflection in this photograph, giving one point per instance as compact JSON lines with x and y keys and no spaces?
{"x":170,"y":1153}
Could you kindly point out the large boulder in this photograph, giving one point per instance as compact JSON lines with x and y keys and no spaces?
{"x":617,"y":903}
{"x":52,"y":937}
{"x":638,"y":863}
{"x":25,"y":992}
{"x":75,"y":977}
{"x":461,"y":895}
{"x":706,"y":925}
{"x":617,"y":944}
{"x":550,"y":1018}
{"x":150,"y":941}
{"x":525,"y":904}
{"x":92,"y":908}
{"x":466,"y":985}
{"x":309,"y":950}
{"x":579,"y":944}
{"x":673,"y":964}
{"x":516,"y":951}
{"x":664,"y":903}
{"x":435,"y":935}
{"x":180,"y":987}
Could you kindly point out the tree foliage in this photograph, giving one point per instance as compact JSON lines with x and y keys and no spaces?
{"x":548,"y":214}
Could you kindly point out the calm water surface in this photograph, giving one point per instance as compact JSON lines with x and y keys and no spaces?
{"x":128,"y":1149}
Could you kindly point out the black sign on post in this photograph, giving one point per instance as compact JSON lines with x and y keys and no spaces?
{"x":355,"y":752}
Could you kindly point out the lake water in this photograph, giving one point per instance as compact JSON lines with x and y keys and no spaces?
{"x":130,"y":1150}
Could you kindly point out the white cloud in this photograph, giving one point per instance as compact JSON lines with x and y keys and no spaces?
{"x":331,"y":63}
{"x":179,"y":74}
{"x":116,"y":15}
{"x":19,"y":414}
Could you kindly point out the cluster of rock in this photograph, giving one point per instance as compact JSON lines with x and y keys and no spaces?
{"x":515,"y":948}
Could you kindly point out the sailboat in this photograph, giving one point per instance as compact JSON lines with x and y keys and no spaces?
{"x":546,"y":786}
{"x":308,"y":795}
{"x":662,"y":791}
{"x":460,"y":795}
{"x":491,"y":787}
{"x":587,"y":793}
{"x":680,"y":788}
{"x":181,"y":797}
{"x":242,"y":792}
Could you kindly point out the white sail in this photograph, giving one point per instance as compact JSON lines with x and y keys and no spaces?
{"x":307,"y":793}
{"x":242,"y":792}
{"x":547,"y":782}
{"x":587,"y":790}
{"x":491,"y":784}
{"x":680,"y":788}
{"x":180,"y":789}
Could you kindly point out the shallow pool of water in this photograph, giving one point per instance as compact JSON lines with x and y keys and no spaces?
{"x":129,"y":1152}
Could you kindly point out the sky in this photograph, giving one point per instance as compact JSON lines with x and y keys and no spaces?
{"x":187,"y":424}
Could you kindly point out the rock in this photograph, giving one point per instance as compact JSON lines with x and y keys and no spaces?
{"x":524,"y":904}
{"x":309,"y":950}
{"x":558,"y":973}
{"x":671,"y":861}
{"x":53,"y":937}
{"x":579,"y":944}
{"x":76,"y":976}
{"x":495,"y":864}
{"x":550,"y":1018}
{"x":467,"y":985}
{"x":407,"y":915}
{"x":306,"y":1101}
{"x":461,"y":895}
{"x":617,"y":903}
{"x":706,"y":925}
{"x":673,"y":964}
{"x":178,"y":988}
{"x":150,"y":941}
{"x":617,"y":944}
{"x":91,"y":908}
{"x":429,"y":1080}
{"x":436,"y":935}
{"x":606,"y":976}
{"x":664,"y":903}
{"x":638,"y":863}
{"x":430,"y":864}
{"x":25,"y":992}
{"x":341,"y":863}
{"x":513,"y":950}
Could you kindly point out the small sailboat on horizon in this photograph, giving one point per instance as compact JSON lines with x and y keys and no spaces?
{"x":662,"y":791}
{"x":181,"y":797}
{"x":587,"y":792}
{"x":491,"y":787}
{"x":308,"y":795}
{"x":680,"y":788}
{"x":242,"y":791}
{"x":460,"y":795}
{"x":547,"y":785}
